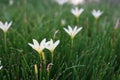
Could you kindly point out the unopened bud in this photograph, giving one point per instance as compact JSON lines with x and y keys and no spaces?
{"x":49,"y":66}
{"x":36,"y":69}
{"x":63,"y":22}
{"x":55,"y":34}
{"x":117,"y":24}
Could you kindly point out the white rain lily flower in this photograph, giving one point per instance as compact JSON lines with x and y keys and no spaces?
{"x":5,"y":26}
{"x":50,"y":45}
{"x":77,"y":12}
{"x":72,"y":32}
{"x":38,"y":47}
{"x":76,"y":2}
{"x":61,"y":2}
{"x":97,"y":14}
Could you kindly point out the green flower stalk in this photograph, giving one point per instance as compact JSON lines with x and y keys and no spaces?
{"x":5,"y":41}
{"x":5,"y":28}
{"x":96,"y":14}
{"x":39,"y":48}
{"x":49,"y":66}
{"x":50,"y":45}
{"x":72,"y":33}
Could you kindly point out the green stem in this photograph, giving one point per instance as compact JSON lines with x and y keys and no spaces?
{"x":40,"y":66}
{"x":5,"y":41}
{"x":49,"y":71}
{"x":40,"y":73}
{"x":43,"y":59}
{"x":95,"y":25}
{"x":95,"y":22}
{"x":77,"y":19}
{"x":36,"y":77}
{"x":71,"y":43}
{"x":52,"y":56}
{"x":48,"y":74}
{"x":71,"y":48}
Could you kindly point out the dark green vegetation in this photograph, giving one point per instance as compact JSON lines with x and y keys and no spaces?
{"x":95,"y":53}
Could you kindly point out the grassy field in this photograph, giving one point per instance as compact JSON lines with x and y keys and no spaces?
{"x":95,"y":53}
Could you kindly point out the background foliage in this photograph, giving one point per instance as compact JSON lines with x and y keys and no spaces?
{"x":95,"y":55}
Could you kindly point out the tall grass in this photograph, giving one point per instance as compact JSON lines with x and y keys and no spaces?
{"x":95,"y":52}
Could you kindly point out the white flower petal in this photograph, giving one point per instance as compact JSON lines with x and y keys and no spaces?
{"x":36,"y":46}
{"x":5,"y":26}
{"x":56,"y":43}
{"x":72,"y":32}
{"x":75,"y":29}
{"x":51,"y":46}
{"x":70,"y":29}
{"x":1,"y":67}
{"x":9,"y":24}
{"x":76,"y":2}
{"x":97,"y":14}
{"x":61,"y":2}
{"x":77,"y":12}
{"x":31,"y":45}
{"x":42,"y":44}
{"x":1,"y":23}
{"x":67,"y":31}
{"x":35,"y":42}
{"x":79,"y":29}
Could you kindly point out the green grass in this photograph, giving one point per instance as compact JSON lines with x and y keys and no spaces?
{"x":95,"y":54}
